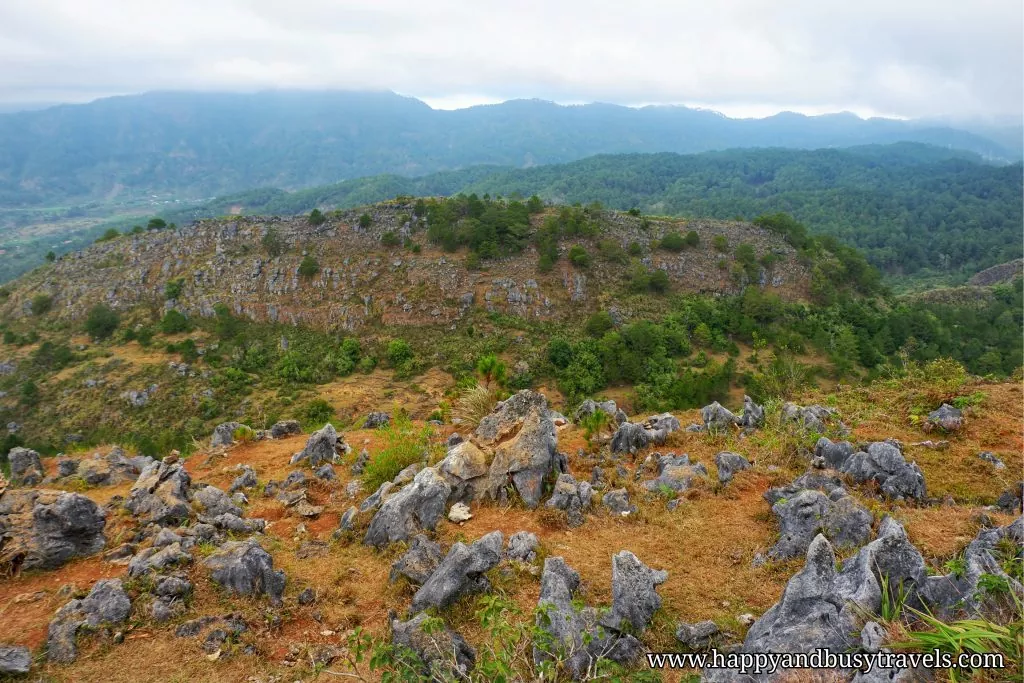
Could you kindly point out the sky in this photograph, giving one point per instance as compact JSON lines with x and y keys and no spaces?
{"x":902,"y":58}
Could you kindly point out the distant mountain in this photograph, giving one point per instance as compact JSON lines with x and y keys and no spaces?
{"x":935,"y":214}
{"x":193,"y":145}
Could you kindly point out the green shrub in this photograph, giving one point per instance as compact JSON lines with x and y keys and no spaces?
{"x":41,"y":304}
{"x":578,"y":256}
{"x":599,"y":323}
{"x":173,"y":288}
{"x":273,"y":243}
{"x":309,"y":266}
{"x":404,"y":445}
{"x":316,"y":217}
{"x":720,"y":243}
{"x":317,"y":413}
{"x":29,"y":394}
{"x":101,"y":321}
{"x":692,"y":239}
{"x":636,"y":249}
{"x":673,"y":241}
{"x":174,"y":322}
{"x":50,"y":257}
{"x":399,"y":353}
{"x":295,"y":366}
{"x":390,"y":239}
{"x":492,"y":369}
{"x":658,"y":281}
{"x":110,"y":234}
{"x":365,"y":221}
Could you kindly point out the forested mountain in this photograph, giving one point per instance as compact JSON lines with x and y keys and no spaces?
{"x":203,"y":144}
{"x":914,"y":210}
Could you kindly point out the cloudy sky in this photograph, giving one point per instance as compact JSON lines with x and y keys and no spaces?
{"x":909,"y":58}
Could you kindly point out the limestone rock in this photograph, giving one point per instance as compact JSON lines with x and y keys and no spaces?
{"x":574,"y":497}
{"x":444,"y":653}
{"x":508,"y":416}
{"x":284,"y":428}
{"x":418,"y":562}
{"x":461,"y":572}
{"x":376,"y":420}
{"x":43,"y":529}
{"x":465,"y":469}
{"x":526,"y":459}
{"x":590,"y":406}
{"x":884,"y":464}
{"x":522,"y":546}
{"x":224,"y":434}
{"x":418,"y":506}
{"x":211,"y":501}
{"x":675,"y":473}
{"x":459,"y":513}
{"x":717,"y":418}
{"x":634,"y":598}
{"x":26,"y":467}
{"x":106,"y":603}
{"x":946,"y":418}
{"x":729,"y":464}
{"x":14,"y":659}
{"x":246,"y":480}
{"x":322,"y":446}
{"x":806,"y":513}
{"x":245,"y":568}
{"x":752,"y":415}
{"x":617,"y":501}
{"x":161,"y":494}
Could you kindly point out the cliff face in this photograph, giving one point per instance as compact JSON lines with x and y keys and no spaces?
{"x":360,"y":281}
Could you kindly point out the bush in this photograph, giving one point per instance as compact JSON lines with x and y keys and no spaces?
{"x":599,"y":323}
{"x":492,"y":369}
{"x":673,"y":241}
{"x":51,"y":257}
{"x":29,"y":394}
{"x":316,"y":217}
{"x":174,"y":322}
{"x":403,"y":446}
{"x":390,"y":239}
{"x":474,"y":404}
{"x":317,"y":413}
{"x":365,"y":221}
{"x":309,"y":267}
{"x":173,"y":288}
{"x":41,"y":304}
{"x":636,"y":249}
{"x":294,"y":366}
{"x":578,"y":256}
{"x":101,"y":321}
{"x":720,"y":243}
{"x":110,"y":234}
{"x":658,"y":281}
{"x":156,"y":224}
{"x":559,"y":353}
{"x":692,"y":239}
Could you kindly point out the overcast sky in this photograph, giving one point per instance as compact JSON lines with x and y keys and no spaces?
{"x":910,"y":58}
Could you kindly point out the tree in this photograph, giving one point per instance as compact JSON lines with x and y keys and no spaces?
{"x":156,"y":224}
{"x":365,"y":221}
{"x":316,"y":217}
{"x":174,"y":322}
{"x":273,"y":243}
{"x":492,"y":369}
{"x":578,"y":256}
{"x":51,"y":257}
{"x":309,"y":266}
{"x":29,"y":394}
{"x":720,"y":243}
{"x":692,"y":239}
{"x":534,"y":204}
{"x":399,"y":353}
{"x":599,"y":323}
{"x":658,"y":281}
{"x":101,"y":321}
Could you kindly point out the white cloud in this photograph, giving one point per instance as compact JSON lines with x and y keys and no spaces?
{"x":900,"y":57}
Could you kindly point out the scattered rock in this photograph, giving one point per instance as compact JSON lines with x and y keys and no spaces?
{"x":325,"y":472}
{"x":751,"y":417}
{"x":459,"y":513}
{"x":526,"y":459}
{"x":990,"y":457}
{"x":245,"y":568}
{"x":418,"y":562}
{"x":1012,"y":499}
{"x":804,"y":513}
{"x":211,"y":502}
{"x":14,"y":659}
{"x":106,"y":603}
{"x":245,"y":480}
{"x":454,"y":439}
{"x":444,"y":653}
{"x":362,"y":460}
{"x":461,"y":572}
{"x":285,"y":428}
{"x":884,"y":464}
{"x":376,"y":420}
{"x":697,"y":637}
{"x":418,"y":506}
{"x":573,"y":497}
{"x":946,"y":418}
{"x":510,"y":415}
{"x":26,"y":467}
{"x":675,"y":473}
{"x":630,"y":438}
{"x":717,"y":418}
{"x":161,"y":494}
{"x":617,"y":501}
{"x":833,"y":454}
{"x":729,"y":464}
{"x":43,"y":529}
{"x":322,"y":446}
{"x":465,"y":469}
{"x":307,"y":597}
{"x":813,"y":418}
{"x":157,"y":559}
{"x":634,"y":598}
{"x":224,"y":434}
{"x":590,"y":406}
{"x":522,"y":546}
{"x":407,"y":474}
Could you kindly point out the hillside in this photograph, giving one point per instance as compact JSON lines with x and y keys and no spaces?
{"x":197,"y":145}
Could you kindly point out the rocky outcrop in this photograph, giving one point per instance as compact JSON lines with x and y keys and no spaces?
{"x":418,"y":562}
{"x":525,"y":460}
{"x":445,"y":654}
{"x":161,"y":494}
{"x":246,"y":480}
{"x":634,"y":598}
{"x":617,"y":501}
{"x":376,"y":420}
{"x":465,"y":469}
{"x":883,"y":463}
{"x":284,"y":428}
{"x":224,"y":434}
{"x":43,"y":529}
{"x":813,"y":418}
{"x":245,"y":568}
{"x":752,"y":415}
{"x":522,"y":546}
{"x":675,"y":473}
{"x":418,"y":506}
{"x":804,"y":512}
{"x":574,"y":497}
{"x":106,"y":603}
{"x":696,"y":637}
{"x":211,"y":502}
{"x":114,"y":468}
{"x":509,"y":416}
{"x":945,"y":418}
{"x":717,"y":418}
{"x":157,"y":558}
{"x":14,"y":659}
{"x":590,"y":406}
{"x":323,"y":445}
{"x":728,"y":464}
{"x":461,"y":572}
{"x":26,"y":467}
{"x":833,"y":454}
{"x":631,"y":437}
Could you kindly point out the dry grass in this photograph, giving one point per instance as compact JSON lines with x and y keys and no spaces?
{"x":473,"y":405}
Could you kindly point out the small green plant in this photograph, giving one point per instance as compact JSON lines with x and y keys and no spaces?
{"x":110,"y":234}
{"x":957,"y":566}
{"x":404,"y":444}
{"x":492,"y":369}
{"x":365,"y":221}
{"x":50,"y":257}
{"x":273,"y":243}
{"x":316,"y":217}
{"x":317,"y":412}
{"x":41,"y":304}
{"x":578,"y":256}
{"x":390,"y":239}
{"x":673,"y":241}
{"x":595,"y":424}
{"x":243,"y":434}
{"x":174,"y":322}
{"x":173,"y":288}
{"x":720,"y":243}
{"x":309,"y":266}
{"x":893,"y":599}
{"x":101,"y":321}
{"x":473,"y":404}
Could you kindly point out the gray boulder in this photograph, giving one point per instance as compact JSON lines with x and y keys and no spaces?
{"x":698,"y":636}
{"x":465,"y":469}
{"x":26,"y":467}
{"x":224,"y":434}
{"x":14,"y":659}
{"x":525,"y":460}
{"x":444,"y":653}
{"x":418,"y":506}
{"x":157,"y":559}
{"x":161,"y":494}
{"x":461,"y":572}
{"x":522,"y":546}
{"x":884,"y":464}
{"x":993,"y":459}
{"x":377,"y":419}
{"x":752,"y":415}
{"x":675,"y":473}
{"x":1012,"y":499}
{"x":813,"y":418}
{"x":325,"y":472}
{"x":717,"y":418}
{"x":617,"y":501}
{"x":509,"y":416}
{"x":809,"y":512}
{"x":418,"y":562}
{"x":590,"y":406}
{"x":285,"y":428}
{"x":946,"y":418}
{"x":574,"y":497}
{"x":634,"y":598}
{"x":377,"y":498}
{"x":361,"y":461}
{"x":728,"y":464}
{"x":66,"y":467}
{"x":212,"y":502}
{"x":245,"y":568}
{"x":833,"y":454}
{"x":630,"y":438}
{"x":106,"y":603}
{"x":322,"y":446}
{"x":246,"y":480}
{"x":43,"y":529}
{"x":454,"y":439}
